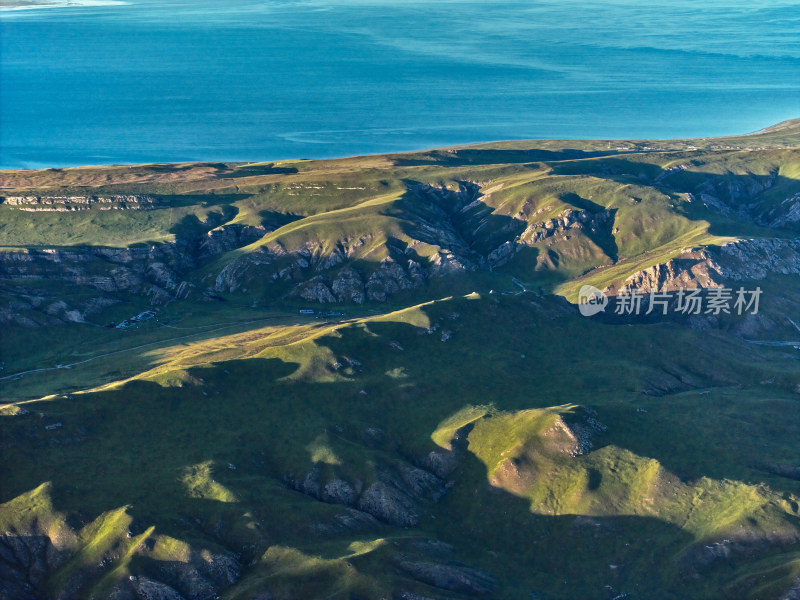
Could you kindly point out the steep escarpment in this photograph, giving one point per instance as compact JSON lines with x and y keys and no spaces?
{"x":431,"y":232}
{"x":428,"y":241}
{"x":743,"y":260}
{"x":758,"y":189}
{"x":73,"y":203}
{"x":159,"y":272}
{"x":397,"y":491}
{"x":344,"y":237}
{"x":64,"y":563}
{"x":318,"y":273}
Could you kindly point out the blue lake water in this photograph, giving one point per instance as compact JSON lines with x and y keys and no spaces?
{"x":173,"y":80}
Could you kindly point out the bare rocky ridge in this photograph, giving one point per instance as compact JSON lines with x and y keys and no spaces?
{"x":273,"y":263}
{"x":348,"y":286}
{"x":73,"y":203}
{"x":398,"y":496}
{"x":401,"y":491}
{"x":787,"y":214}
{"x":452,"y":577}
{"x":327,"y":275}
{"x":156,"y":271}
{"x":28,"y":559}
{"x":742,"y":260}
{"x":741,"y":196}
{"x":25,"y":560}
{"x":574,"y":221}
{"x":581,"y":427}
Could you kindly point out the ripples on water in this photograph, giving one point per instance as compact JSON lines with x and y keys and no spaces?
{"x":199,"y":80}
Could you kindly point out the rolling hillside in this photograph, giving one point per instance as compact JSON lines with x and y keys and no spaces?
{"x":368,"y":377}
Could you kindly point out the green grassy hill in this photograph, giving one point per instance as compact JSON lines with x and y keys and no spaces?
{"x":447,"y":425}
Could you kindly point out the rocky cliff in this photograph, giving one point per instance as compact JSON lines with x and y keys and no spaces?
{"x":712,"y":267}
{"x":72,"y":203}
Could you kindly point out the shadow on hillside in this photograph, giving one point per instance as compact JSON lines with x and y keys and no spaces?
{"x":133,"y":446}
{"x":458,"y":221}
{"x":173,"y":168}
{"x":255,"y":170}
{"x":225,"y":170}
{"x":467,"y":157}
{"x":603,"y":232}
{"x":474,"y":239}
{"x":142,"y":439}
{"x":205,"y":200}
{"x":191,"y":227}
{"x":734,"y":204}
{"x":618,"y":169}
{"x":273,"y":220}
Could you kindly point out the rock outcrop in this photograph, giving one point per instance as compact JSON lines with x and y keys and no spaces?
{"x":742,"y":260}
{"x":73,"y":203}
{"x":26,"y":560}
{"x":155,"y":271}
{"x":593,"y":224}
{"x":785,"y":215}
{"x":397,"y":491}
{"x":315,"y":289}
{"x":29,"y":559}
{"x":147,"y":589}
{"x":227,"y":237}
{"x":582,"y":427}
{"x":348,"y":287}
{"x":390,"y":278}
{"x":452,"y":577}
{"x":399,"y":495}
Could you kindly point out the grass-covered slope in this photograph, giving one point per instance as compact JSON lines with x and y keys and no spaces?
{"x":573,"y":465}
{"x":459,"y":432}
{"x":639,"y":206}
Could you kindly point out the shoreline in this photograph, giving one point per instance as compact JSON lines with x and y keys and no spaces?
{"x":36,"y":5}
{"x":769,"y":135}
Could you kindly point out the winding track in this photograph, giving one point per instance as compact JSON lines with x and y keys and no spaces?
{"x":75,"y":364}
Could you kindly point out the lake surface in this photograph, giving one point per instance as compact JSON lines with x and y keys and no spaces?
{"x":174,"y":80}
